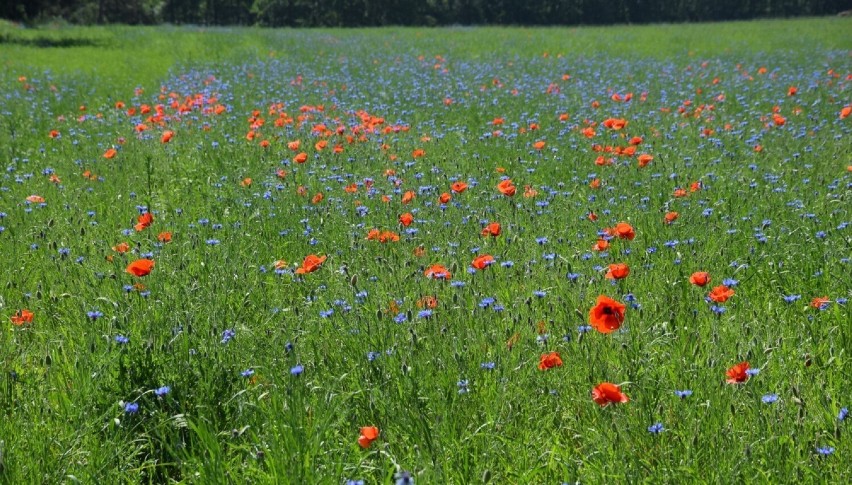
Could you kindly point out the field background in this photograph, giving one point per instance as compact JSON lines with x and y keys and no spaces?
{"x":773,"y":220}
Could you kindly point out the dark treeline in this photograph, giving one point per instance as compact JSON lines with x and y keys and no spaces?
{"x":358,"y":13}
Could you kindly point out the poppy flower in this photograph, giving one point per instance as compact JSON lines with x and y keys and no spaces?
{"x":438,"y":272}
{"x":601,"y":245}
{"x":368,"y":435}
{"x":167,"y":136}
{"x":670,"y":217}
{"x":35,"y":199}
{"x":140,"y":267}
{"x":492,"y":229}
{"x":539,"y":145}
{"x":427,"y":302}
{"x":608,"y":393}
{"x":529,"y":192}
{"x":301,"y":158}
{"x":294,"y":145}
{"x":406,"y":219}
{"x":121,"y":248}
{"x":607,"y":314}
{"x":164,"y":237}
{"x":418,"y":153}
{"x":644,"y":159}
{"x":21,"y":317}
{"x":246,"y":182}
{"x":110,"y":153}
{"x":720,"y":294}
{"x":549,"y":361}
{"x":408,"y":197}
{"x":311,"y":263}
{"x":388,"y":236}
{"x":317,"y":198}
{"x":819,"y":301}
{"x":143,"y":221}
{"x":699,"y":278}
{"x":507,"y":188}
{"x":845,"y":112}
{"x":623,"y":230}
{"x":482,"y":261}
{"x":738,"y":373}
{"x":617,"y":271}
{"x":458,"y":187}
{"x":679,"y":192}
{"x":445,"y":198}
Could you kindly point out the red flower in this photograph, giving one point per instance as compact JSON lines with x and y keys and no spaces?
{"x":819,"y":301}
{"x":368,"y":435}
{"x":737,"y":374}
{"x":21,"y":317}
{"x":607,"y":315}
{"x":548,"y":361}
{"x":721,"y":293}
{"x":311,"y":263}
{"x":492,"y":229}
{"x":617,"y":271}
{"x":700,"y":278}
{"x":482,"y":261}
{"x":458,"y":187}
{"x":607,"y":393}
{"x":623,"y":230}
{"x":140,"y":267}
{"x":406,"y":219}
{"x":507,"y":188}
{"x":143,"y":221}
{"x":438,"y":272}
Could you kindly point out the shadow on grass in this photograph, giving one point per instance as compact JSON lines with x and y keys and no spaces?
{"x":51,"y":42}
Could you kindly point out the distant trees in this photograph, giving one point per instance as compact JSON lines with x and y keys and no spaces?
{"x":358,"y":13}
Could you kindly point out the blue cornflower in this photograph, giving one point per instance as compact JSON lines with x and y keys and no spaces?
{"x":64,"y":251}
{"x":371,"y":356}
{"x":490,"y":366}
{"x":572,"y":276}
{"x":683,"y":394}
{"x":825,"y":450}
{"x":752,"y":372}
{"x":718,"y":310}
{"x":424,"y":314}
{"x":584,"y":328}
{"x":486,"y":302}
{"x":457,"y":284}
{"x":131,"y":407}
{"x":791,"y":298}
{"x":400,"y":318}
{"x":327,"y":313}
{"x":354,"y":482}
{"x":162,"y":391}
{"x":94,"y":314}
{"x":212,"y":242}
{"x":462,"y":385}
{"x":842,"y":414}
{"x":121,"y":339}
{"x":297,"y":369}
{"x":769,"y":398}
{"x":405,"y":478}
{"x":656,"y":428}
{"x":540,"y":293}
{"x":730,"y":282}
{"x":507,"y":264}
{"x":227,"y":335}
{"x":247,"y":373}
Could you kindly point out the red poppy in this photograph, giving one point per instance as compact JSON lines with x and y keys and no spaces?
{"x":623,"y":230}
{"x":507,"y":188}
{"x":700,"y":278}
{"x":608,"y":393}
{"x":617,"y":271}
{"x":737,"y":374}
{"x":819,"y":301}
{"x":110,"y":153}
{"x":164,"y":237}
{"x":143,"y":221}
{"x":458,"y":187}
{"x":482,"y":261}
{"x":644,"y":159}
{"x":721,"y":293}
{"x":140,"y":267}
{"x":167,"y":136}
{"x":548,"y":361}
{"x":670,"y":217}
{"x":406,"y":219}
{"x":539,"y":145}
{"x":301,"y":158}
{"x":438,"y":272}
{"x":35,"y":199}
{"x":311,"y":263}
{"x":492,"y":229}
{"x":368,"y":435}
{"x":121,"y":247}
{"x":445,"y":198}
{"x":601,"y":245}
{"x":21,"y":317}
{"x":607,"y":314}
{"x":408,"y":197}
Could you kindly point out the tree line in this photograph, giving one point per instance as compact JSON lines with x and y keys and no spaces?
{"x":366,"y":13}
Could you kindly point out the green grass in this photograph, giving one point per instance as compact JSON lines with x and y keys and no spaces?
{"x":774,"y":220}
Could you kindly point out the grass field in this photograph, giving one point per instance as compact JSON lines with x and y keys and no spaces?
{"x":269,"y":256}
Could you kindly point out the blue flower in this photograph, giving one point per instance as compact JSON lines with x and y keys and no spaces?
{"x":424,"y":314}
{"x":462,"y":385}
{"x":791,"y":298}
{"x":842,"y":414}
{"x":404,"y":478}
{"x":752,"y":372}
{"x":131,"y":407}
{"x":94,"y":314}
{"x":227,"y":335}
{"x":683,"y":394}
{"x":825,"y":450}
{"x":121,"y":339}
{"x":540,"y":293}
{"x":297,"y":369}
{"x":769,"y":398}
{"x":656,"y":428}
{"x":490,"y":366}
{"x":162,"y":391}
{"x":247,"y":373}
{"x":400,"y":318}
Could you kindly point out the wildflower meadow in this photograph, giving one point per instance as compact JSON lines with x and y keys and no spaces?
{"x":458,"y":255}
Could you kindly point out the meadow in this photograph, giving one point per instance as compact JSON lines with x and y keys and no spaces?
{"x":462,"y":255}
